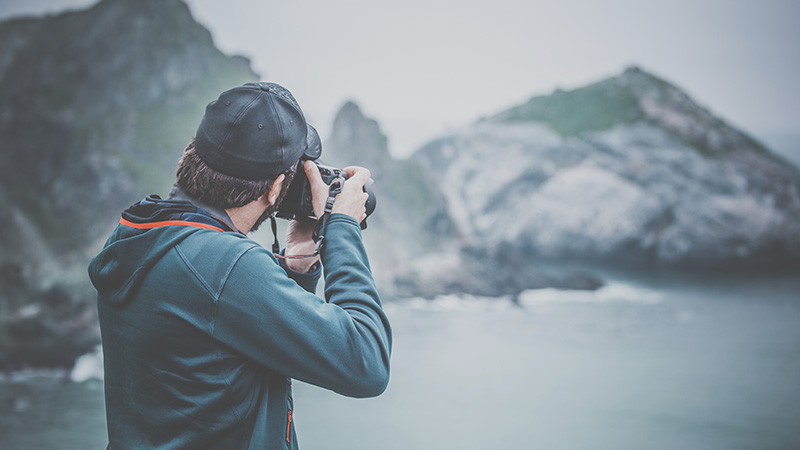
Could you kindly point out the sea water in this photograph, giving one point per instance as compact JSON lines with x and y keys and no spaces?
{"x":660,"y":362}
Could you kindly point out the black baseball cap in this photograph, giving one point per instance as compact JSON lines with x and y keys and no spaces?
{"x":255,"y":132}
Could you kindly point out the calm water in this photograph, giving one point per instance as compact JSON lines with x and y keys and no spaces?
{"x":658,"y":363}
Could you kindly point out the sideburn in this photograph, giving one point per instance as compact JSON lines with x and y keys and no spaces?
{"x":287,"y":180}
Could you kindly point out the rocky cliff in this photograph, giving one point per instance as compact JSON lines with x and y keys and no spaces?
{"x":412,"y":216}
{"x":629,"y":169}
{"x":95,"y":108}
{"x":415,"y":247}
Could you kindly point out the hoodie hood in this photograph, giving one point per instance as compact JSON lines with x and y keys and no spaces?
{"x":146,"y":232}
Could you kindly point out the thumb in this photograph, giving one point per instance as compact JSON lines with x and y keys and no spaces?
{"x":312,"y":173}
{"x":319,"y":190}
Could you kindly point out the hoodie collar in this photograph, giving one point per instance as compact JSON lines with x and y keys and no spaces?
{"x":178,"y":194}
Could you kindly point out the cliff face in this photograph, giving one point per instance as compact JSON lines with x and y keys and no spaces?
{"x":411,"y":217}
{"x":628,"y":169}
{"x":95,"y":108}
{"x":415,"y":247}
{"x":95,"y":100}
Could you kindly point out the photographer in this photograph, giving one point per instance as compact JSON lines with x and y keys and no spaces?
{"x":203,"y":329}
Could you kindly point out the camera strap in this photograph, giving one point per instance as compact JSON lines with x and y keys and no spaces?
{"x":276,"y":246}
{"x":322,"y":224}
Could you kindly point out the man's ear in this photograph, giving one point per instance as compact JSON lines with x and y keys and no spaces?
{"x":275,"y":190}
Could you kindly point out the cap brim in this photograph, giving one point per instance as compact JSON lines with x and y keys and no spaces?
{"x":313,"y":144}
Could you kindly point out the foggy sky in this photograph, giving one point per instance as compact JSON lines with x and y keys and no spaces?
{"x":422,"y":67}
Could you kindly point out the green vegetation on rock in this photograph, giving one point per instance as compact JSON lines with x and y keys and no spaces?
{"x":595,"y":107}
{"x":95,"y":108}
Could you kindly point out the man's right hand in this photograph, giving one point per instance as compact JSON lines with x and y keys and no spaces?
{"x":352,"y":200}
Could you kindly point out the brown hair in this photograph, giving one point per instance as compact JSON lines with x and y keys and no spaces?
{"x":200,"y":181}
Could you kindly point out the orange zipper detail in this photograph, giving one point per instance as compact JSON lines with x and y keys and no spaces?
{"x":288,"y":427}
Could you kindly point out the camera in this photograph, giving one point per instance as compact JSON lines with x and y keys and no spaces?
{"x":297,"y":204}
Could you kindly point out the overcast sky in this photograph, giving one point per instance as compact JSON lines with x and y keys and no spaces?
{"x":422,"y":67}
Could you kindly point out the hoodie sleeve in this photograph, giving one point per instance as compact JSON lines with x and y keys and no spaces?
{"x":308,"y":280}
{"x":343,"y":344}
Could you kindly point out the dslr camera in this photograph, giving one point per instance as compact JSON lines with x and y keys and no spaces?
{"x":297,"y":204}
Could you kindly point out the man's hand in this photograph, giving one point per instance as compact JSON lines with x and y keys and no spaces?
{"x":319,"y":190}
{"x":352,"y":201}
{"x":298,"y":235}
{"x":299,"y":242}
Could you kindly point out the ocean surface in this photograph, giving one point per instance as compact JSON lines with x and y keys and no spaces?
{"x":652,"y":362}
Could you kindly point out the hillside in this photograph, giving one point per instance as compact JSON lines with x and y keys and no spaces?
{"x":625,"y":170}
{"x":415,"y":247}
{"x":95,"y":108}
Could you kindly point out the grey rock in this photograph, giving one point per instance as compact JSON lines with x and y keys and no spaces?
{"x":95,"y":109}
{"x":415,"y":246}
{"x":627,"y":170}
{"x":410,"y":218}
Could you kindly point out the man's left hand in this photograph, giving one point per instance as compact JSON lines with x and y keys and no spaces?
{"x":299,"y":242}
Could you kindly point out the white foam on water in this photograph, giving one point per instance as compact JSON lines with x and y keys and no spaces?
{"x":465,"y":303}
{"x":613,"y":292}
{"x":29,"y":374}
{"x":88,"y":366}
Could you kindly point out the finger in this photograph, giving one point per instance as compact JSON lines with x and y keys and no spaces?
{"x":359,"y":177}
{"x":352,"y":170}
{"x":312,"y":173}
{"x":319,"y":190}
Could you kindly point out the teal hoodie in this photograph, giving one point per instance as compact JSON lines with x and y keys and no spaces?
{"x":203,"y":330}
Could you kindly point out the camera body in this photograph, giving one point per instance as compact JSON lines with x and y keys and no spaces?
{"x":298,"y":204}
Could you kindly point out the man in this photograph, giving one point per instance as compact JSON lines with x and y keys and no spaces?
{"x":203,"y":329}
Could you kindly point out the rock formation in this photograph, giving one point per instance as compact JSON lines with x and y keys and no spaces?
{"x":415,"y":247}
{"x":626,"y":170}
{"x":95,"y":108}
{"x":411,"y":216}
